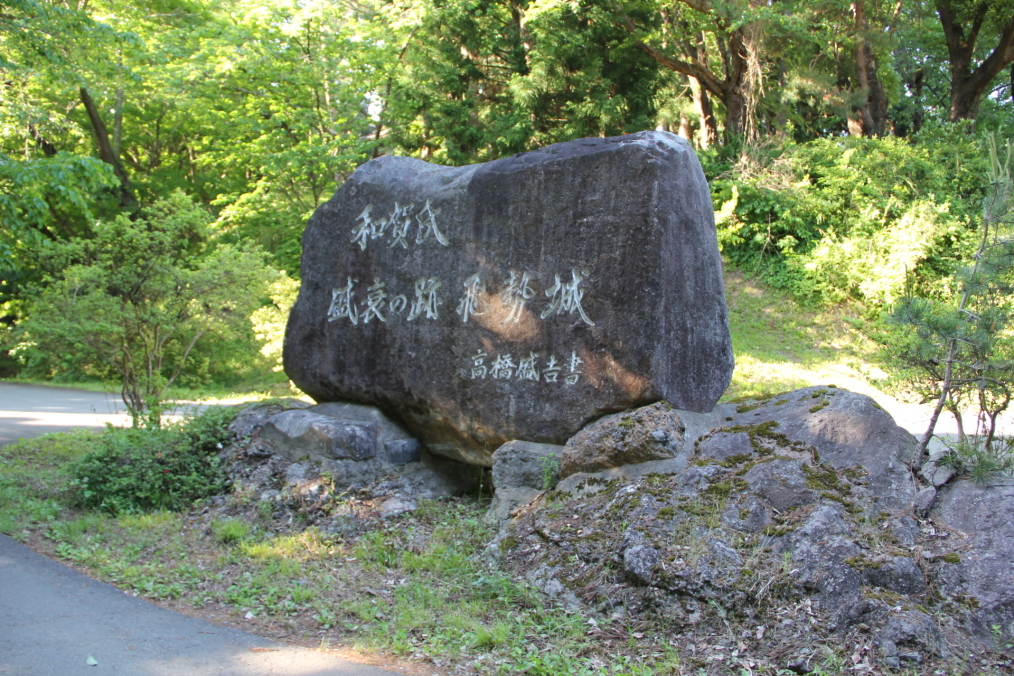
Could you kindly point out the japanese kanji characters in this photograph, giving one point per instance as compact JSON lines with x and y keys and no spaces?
{"x":517,"y":291}
{"x":426,"y":299}
{"x":471,"y":303}
{"x":534,"y":367}
{"x":566,"y":297}
{"x":368,"y":227}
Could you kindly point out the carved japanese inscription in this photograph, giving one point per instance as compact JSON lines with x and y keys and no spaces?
{"x":517,"y":299}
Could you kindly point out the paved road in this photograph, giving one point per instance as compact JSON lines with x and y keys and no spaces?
{"x":53,"y":618}
{"x":33,"y":410}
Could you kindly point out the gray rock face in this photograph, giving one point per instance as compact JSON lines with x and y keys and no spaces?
{"x":843,"y":428}
{"x":517,"y":299}
{"x":982,"y":552}
{"x":337,"y":471}
{"x":397,"y":445}
{"x":804,"y":501}
{"x":639,"y":562}
{"x":525,"y":464}
{"x":781,"y":483}
{"x":906,"y":637}
{"x":649,"y":433}
{"x":522,"y":470}
{"x":300,"y":433}
{"x":898,"y":574}
{"x":251,"y":418}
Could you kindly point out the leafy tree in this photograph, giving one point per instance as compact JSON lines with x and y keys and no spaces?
{"x":959,"y":350}
{"x":479,"y":81}
{"x":136,"y":298}
{"x":849,"y":219}
{"x":269,"y":321}
{"x":717,"y":47}
{"x":973,"y":68}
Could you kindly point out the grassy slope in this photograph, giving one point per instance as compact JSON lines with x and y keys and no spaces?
{"x":780,"y":345}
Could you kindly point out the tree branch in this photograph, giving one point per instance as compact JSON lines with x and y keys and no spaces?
{"x":106,"y":153}
{"x":703,"y":75}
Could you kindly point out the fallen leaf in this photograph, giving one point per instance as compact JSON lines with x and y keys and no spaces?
{"x":263,"y":650}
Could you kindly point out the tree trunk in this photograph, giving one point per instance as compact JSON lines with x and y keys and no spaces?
{"x":731,"y":90}
{"x":968,"y":85}
{"x":47,"y":148}
{"x":872,"y":111}
{"x":127,"y":199}
{"x":705,"y":114}
{"x":118,"y":123}
{"x":735,"y":85}
{"x":735,"y":114}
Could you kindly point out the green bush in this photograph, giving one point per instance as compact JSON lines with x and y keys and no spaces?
{"x":858,"y":219}
{"x":142,"y":470}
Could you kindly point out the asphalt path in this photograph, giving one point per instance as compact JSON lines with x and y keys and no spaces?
{"x":55,"y":621}
{"x":33,"y":410}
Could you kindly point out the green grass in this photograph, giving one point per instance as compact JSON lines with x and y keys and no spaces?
{"x":780,"y":345}
{"x":409,"y":587}
{"x":34,"y":479}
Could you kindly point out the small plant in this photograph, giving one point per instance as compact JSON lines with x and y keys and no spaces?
{"x":979,"y":461}
{"x":143,"y":470}
{"x":550,"y":471}
{"x":230,"y":531}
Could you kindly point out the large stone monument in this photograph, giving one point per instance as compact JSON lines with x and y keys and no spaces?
{"x":517,"y":299}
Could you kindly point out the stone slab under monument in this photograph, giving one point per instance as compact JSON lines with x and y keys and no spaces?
{"x":518,"y":299}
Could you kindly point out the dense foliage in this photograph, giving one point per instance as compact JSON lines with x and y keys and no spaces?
{"x":135,"y":299}
{"x":842,"y":137}
{"x":956,"y":347}
{"x":856,"y":219}
{"x":147,"y":469}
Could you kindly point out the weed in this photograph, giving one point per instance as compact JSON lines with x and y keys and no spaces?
{"x":230,"y":531}
{"x":550,"y":471}
{"x":981,"y":461}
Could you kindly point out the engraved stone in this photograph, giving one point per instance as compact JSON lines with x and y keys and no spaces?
{"x":516,"y":299}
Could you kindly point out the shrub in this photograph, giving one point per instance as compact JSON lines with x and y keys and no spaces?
{"x":140,"y":298}
{"x":841,"y":219}
{"x":230,"y":531}
{"x":141,"y":470}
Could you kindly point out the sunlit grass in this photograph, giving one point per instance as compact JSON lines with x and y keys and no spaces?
{"x":780,"y":345}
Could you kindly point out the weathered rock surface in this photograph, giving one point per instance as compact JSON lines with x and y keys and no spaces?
{"x":794,"y":517}
{"x":299,"y":434}
{"x":648,"y":433}
{"x":334,"y":462}
{"x":978,"y":554}
{"x":521,"y":471}
{"x":251,"y":418}
{"x":398,"y":446}
{"x":517,"y":299}
{"x":843,"y":429}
